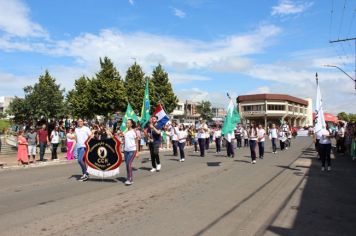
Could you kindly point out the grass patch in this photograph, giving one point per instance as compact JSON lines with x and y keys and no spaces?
{"x":4,"y":124}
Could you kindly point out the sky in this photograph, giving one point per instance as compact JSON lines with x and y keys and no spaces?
{"x":208,"y":47}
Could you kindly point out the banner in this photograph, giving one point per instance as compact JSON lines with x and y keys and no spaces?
{"x":103,"y":157}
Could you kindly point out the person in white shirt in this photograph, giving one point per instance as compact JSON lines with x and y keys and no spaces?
{"x":130,"y":149}
{"x":182,"y":137}
{"x":340,"y":144}
{"x":174,"y":137}
{"x":273,"y":135}
{"x":261,"y":141}
{"x":82,"y":133}
{"x":54,"y":142}
{"x":238,"y":136}
{"x":207,"y":138}
{"x":252,"y":135}
{"x":282,"y":138}
{"x":201,"y":129}
{"x":245,"y":137}
{"x":325,"y":148}
{"x":217,"y":137}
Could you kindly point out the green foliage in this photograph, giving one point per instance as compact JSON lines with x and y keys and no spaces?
{"x":343,"y":116}
{"x":107,"y":90}
{"x":78,"y":99}
{"x":19,"y":109}
{"x":4,"y":124}
{"x":45,"y":98}
{"x":204,"y":109}
{"x":352,"y":117}
{"x":162,"y":88}
{"x":135,"y":86}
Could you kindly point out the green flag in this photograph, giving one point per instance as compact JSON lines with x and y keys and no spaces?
{"x":145,"y":112}
{"x":231,"y":119}
{"x":130,"y":114}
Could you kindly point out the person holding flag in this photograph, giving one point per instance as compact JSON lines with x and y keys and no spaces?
{"x":231,"y":119}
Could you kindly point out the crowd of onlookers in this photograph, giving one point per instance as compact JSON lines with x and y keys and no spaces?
{"x":345,"y":135}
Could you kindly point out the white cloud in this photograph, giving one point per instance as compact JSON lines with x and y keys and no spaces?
{"x":178,"y":78}
{"x":132,"y":2}
{"x":288,"y":7}
{"x":15,"y":20}
{"x":179,"y":13}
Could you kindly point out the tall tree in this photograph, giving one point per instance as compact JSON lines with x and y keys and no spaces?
{"x":107,"y":90}
{"x":204,"y":109}
{"x":78,"y":99}
{"x":45,"y":98}
{"x":343,"y":116}
{"x":19,"y":109}
{"x":135,"y":86}
{"x":163,"y":90}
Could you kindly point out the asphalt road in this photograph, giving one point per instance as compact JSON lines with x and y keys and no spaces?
{"x":202,"y":196}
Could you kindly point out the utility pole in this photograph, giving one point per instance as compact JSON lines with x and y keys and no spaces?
{"x":344,"y":40}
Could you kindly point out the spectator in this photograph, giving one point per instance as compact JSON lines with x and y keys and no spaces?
{"x":22,"y":155}
{"x":32,"y":144}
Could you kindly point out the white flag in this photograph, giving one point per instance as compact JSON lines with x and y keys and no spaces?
{"x":319,"y":112}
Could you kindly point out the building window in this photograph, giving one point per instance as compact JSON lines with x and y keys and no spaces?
{"x":253,"y":108}
{"x":276,"y":107}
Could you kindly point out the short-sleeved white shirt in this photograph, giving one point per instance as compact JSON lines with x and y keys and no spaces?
{"x":261,"y":135}
{"x":201,"y":134}
{"x":130,"y":141}
{"x":82,"y":134}
{"x":54,"y":137}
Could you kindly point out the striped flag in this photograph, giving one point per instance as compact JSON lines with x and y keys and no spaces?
{"x":162,"y":116}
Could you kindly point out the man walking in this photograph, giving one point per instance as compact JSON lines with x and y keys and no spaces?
{"x":202,"y":129}
{"x":32,"y":142}
{"x":82,"y":133}
{"x":173,"y":133}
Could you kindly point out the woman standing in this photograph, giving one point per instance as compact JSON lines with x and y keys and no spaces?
{"x":325,"y":148}
{"x":252,"y":135}
{"x":130,"y":149}
{"x":70,"y":144}
{"x":54,"y":142}
{"x":22,"y":157}
{"x":273,"y":135}
{"x":182,"y":136}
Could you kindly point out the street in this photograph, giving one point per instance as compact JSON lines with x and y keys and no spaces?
{"x":283,"y":194}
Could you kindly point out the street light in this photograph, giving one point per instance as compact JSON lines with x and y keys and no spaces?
{"x":343,"y":72}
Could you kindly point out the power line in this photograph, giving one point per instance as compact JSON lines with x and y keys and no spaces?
{"x":342,"y":19}
{"x":331,"y":18}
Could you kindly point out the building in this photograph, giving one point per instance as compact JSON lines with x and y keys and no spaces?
{"x":218,"y":114}
{"x":272,"y":108}
{"x":185,"y":112}
{"x":4,"y":103}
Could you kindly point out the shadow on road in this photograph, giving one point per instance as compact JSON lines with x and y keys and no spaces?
{"x":243,"y":161}
{"x":214,"y":164}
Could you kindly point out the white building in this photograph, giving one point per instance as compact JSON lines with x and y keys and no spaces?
{"x":4,"y":103}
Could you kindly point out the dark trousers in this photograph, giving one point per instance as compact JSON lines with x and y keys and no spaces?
{"x":218,"y":144}
{"x":274,"y":145}
{"x":42,"y":150}
{"x":202,"y":146}
{"x":340,"y":145}
{"x":317,"y":149}
{"x":245,"y":142}
{"x":261,"y":149}
{"x":253,"y":149}
{"x":154,"y":151}
{"x":207,"y":142}
{"x":325,"y":151}
{"x":175,"y":147}
{"x":230,"y":148}
{"x":281,"y":144}
{"x":54,"y":150}
{"x":196,"y":145}
{"x":238,"y":142}
{"x":181,"y":150}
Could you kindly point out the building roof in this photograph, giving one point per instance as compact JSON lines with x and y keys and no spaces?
{"x":269,"y":96}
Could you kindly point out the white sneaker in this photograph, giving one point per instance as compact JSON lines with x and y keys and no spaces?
{"x":323,"y":168}
{"x":153,"y":170}
{"x":158,"y":167}
{"x":254,"y":162}
{"x":128,"y":182}
{"x":329,"y":168}
{"x":183,"y":160}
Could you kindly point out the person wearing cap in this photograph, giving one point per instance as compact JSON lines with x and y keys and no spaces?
{"x":32,"y":143}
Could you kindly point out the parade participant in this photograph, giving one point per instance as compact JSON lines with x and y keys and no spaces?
{"x":325,"y":148}
{"x":317,"y":137}
{"x":217,"y":137}
{"x":70,"y":144}
{"x":54,"y":142}
{"x":168,"y":138}
{"x":138,"y":135}
{"x":245,"y":137}
{"x":261,"y":141}
{"x":285,"y":129}
{"x":42,"y":139}
{"x":182,"y":136}
{"x":282,"y":139}
{"x":273,"y":136}
{"x":22,"y":156}
{"x":201,"y":128}
{"x":238,"y":136}
{"x":32,"y":143}
{"x":154,"y":140}
{"x":252,"y":135}
{"x":174,"y":137}
{"x":131,"y":143}
{"x":194,"y":138}
{"x":82,"y":133}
